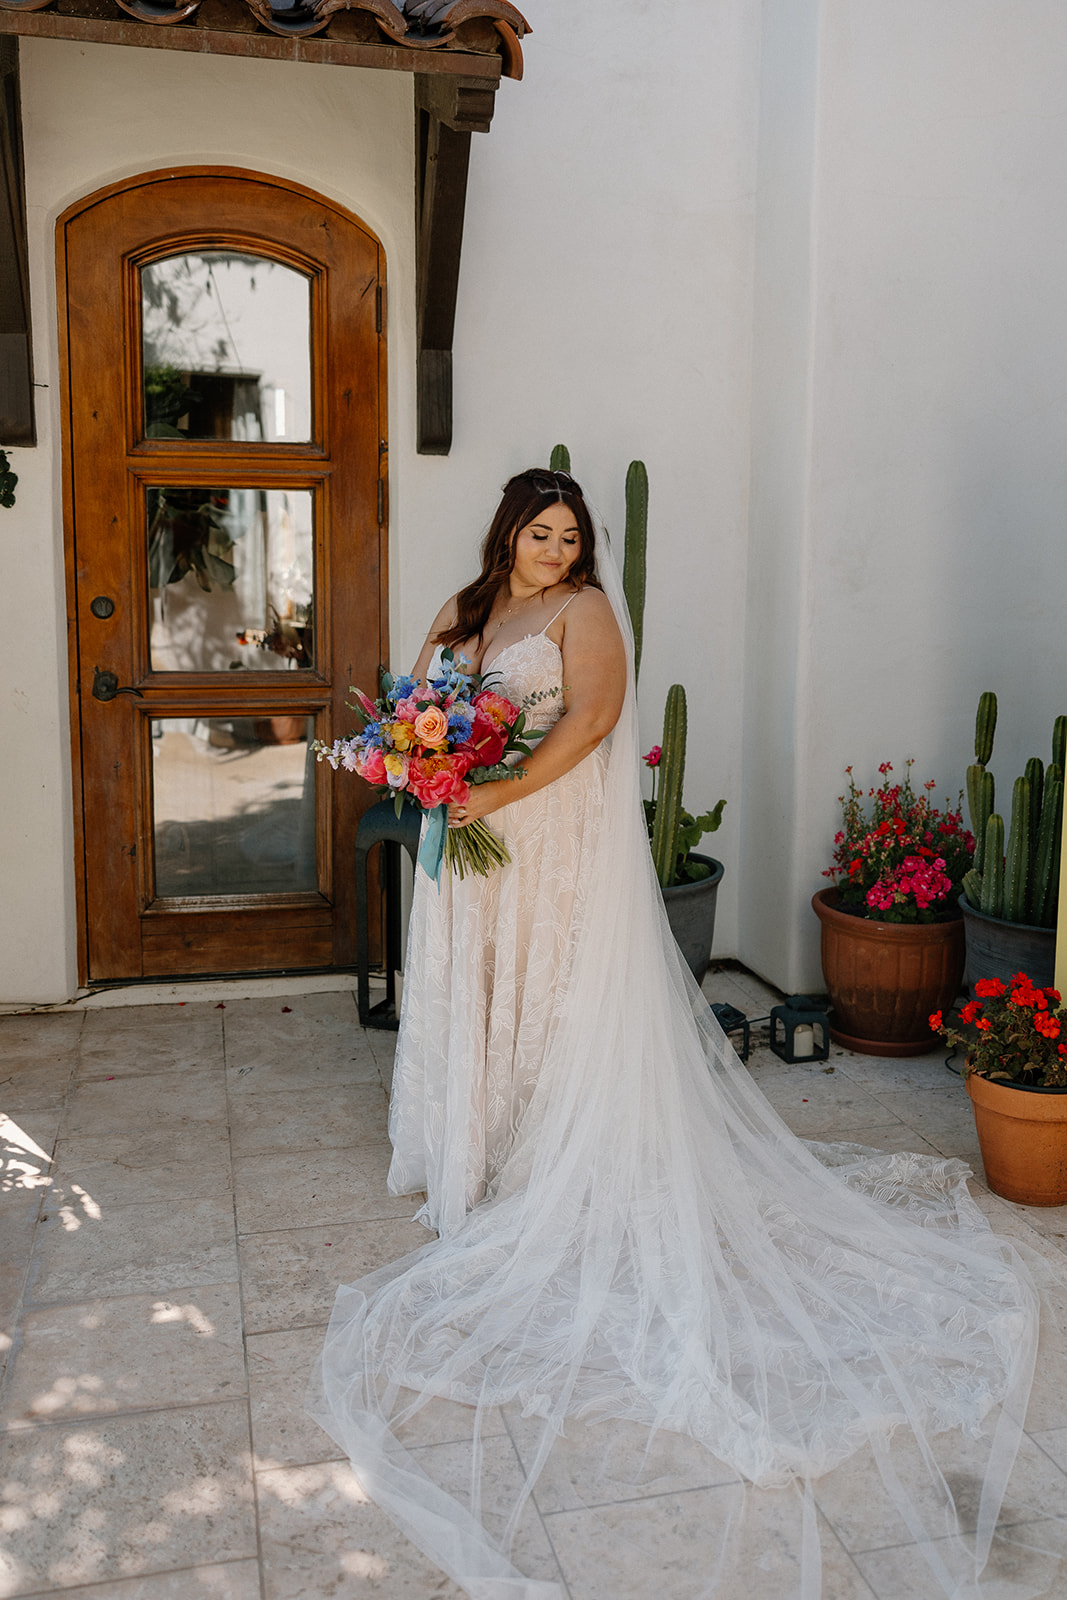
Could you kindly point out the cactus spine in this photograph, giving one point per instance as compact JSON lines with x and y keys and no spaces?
{"x":993,"y":876}
{"x":560,"y":459}
{"x":633,"y":566}
{"x":671,"y":775}
{"x":1017,"y":864}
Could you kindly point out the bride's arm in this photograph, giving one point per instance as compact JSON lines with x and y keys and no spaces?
{"x":444,"y":619}
{"x":594,"y":670}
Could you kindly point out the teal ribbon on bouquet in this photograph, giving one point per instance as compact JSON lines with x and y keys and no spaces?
{"x":432,"y":848}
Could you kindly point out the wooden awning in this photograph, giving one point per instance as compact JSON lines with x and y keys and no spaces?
{"x":458,"y":51}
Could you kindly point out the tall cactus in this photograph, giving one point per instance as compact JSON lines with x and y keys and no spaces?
{"x":1059,"y":743}
{"x":979,"y":781}
{"x":1046,"y":876}
{"x":560,"y":459}
{"x":1017,"y":863}
{"x":980,"y":800}
{"x":992,"y":902}
{"x":633,"y":566}
{"x":671,"y":776}
{"x":985,"y":727}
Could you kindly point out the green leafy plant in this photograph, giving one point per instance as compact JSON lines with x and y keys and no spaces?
{"x":1019,"y":881}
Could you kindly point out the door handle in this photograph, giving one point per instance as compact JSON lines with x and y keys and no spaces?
{"x":106,"y":686}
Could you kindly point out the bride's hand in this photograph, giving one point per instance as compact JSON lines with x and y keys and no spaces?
{"x":483,"y":799}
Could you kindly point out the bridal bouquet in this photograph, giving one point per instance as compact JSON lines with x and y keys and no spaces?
{"x":432,"y":741}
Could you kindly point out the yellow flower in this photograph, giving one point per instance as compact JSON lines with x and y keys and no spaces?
{"x":403,"y":735}
{"x":394,"y":764}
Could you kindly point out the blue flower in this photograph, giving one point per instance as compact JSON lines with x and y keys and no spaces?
{"x":403,"y":688}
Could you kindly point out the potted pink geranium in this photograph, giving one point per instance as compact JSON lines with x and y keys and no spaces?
{"x":892,"y":933}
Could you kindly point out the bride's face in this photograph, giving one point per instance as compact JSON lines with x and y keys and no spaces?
{"x":546,"y":548}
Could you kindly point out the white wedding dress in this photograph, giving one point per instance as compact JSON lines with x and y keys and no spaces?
{"x":630,"y":1234}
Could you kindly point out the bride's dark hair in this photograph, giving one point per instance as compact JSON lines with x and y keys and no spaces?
{"x":525,"y":497}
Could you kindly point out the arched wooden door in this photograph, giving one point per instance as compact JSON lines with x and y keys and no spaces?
{"x":225,"y":459}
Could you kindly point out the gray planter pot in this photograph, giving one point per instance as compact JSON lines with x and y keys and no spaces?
{"x":691,"y":914}
{"x":997,"y":949}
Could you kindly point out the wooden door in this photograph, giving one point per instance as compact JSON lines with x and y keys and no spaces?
{"x":225,"y":459}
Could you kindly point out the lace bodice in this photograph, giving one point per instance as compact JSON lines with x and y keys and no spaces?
{"x":532,"y":665}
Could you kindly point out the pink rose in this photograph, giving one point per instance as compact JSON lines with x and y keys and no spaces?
{"x":431,"y":726}
{"x":406,"y":710}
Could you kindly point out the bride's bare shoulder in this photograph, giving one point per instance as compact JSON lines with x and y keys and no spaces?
{"x":446,"y":617}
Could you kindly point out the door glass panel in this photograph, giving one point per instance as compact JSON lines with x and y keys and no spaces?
{"x":230,"y":579}
{"x":233,"y":805}
{"x":227,"y":348}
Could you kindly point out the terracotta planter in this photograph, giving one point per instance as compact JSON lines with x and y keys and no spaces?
{"x":885,"y":978}
{"x":1022,"y":1134}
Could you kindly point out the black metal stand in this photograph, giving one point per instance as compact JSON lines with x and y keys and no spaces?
{"x":381,"y":825}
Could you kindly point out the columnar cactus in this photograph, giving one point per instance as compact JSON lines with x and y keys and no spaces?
{"x":1025,"y":887}
{"x":668,"y":821}
{"x":1017,"y":863}
{"x":560,"y":459}
{"x":992,"y":900}
{"x":980,"y":790}
{"x":633,"y":567}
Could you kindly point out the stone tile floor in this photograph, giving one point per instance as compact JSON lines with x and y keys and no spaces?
{"x":184,"y":1187}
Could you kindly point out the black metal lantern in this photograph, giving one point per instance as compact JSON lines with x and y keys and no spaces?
{"x":731,"y":1020}
{"x":800,"y":1030}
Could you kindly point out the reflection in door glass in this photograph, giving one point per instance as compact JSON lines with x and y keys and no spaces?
{"x":233,"y":805}
{"x":230,"y":579}
{"x":227,"y":348}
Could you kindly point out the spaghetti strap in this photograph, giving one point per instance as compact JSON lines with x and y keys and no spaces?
{"x":559,"y":613}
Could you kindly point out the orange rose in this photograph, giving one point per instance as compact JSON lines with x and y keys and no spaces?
{"x":431,"y":726}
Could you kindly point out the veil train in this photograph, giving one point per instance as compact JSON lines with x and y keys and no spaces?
{"x":663,"y":1257}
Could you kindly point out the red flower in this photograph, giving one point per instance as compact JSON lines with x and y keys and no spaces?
{"x":1053,"y":994}
{"x":983,"y":1023}
{"x":1047,"y":1025}
{"x":485,"y":745}
{"x":989,"y":988}
{"x":653,"y":757}
{"x":970,"y":1011}
{"x":935,"y":1020}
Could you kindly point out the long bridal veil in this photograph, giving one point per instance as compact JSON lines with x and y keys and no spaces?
{"x":662,"y":1256}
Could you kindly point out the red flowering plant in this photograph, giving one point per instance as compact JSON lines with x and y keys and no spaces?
{"x":905,"y":860}
{"x":1015,"y":1033}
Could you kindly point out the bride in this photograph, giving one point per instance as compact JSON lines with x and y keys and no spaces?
{"x":628,"y":1233}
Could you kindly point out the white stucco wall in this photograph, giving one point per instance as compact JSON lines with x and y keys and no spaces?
{"x":910,"y":420}
{"x":805,"y":258}
{"x":605,"y":302}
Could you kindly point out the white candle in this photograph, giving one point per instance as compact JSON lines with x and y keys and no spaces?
{"x":803,"y":1039}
